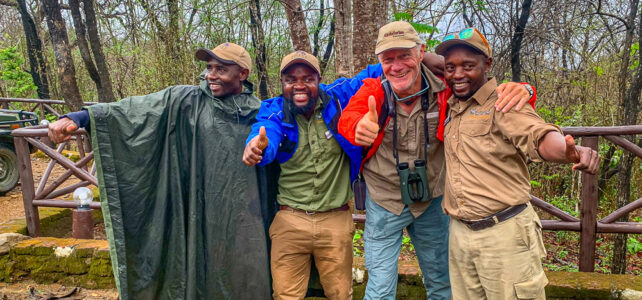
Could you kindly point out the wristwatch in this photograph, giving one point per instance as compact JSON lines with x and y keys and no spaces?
{"x":529,"y":88}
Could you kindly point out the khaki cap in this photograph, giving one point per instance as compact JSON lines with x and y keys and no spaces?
{"x":303,"y":57}
{"x":470,"y":37}
{"x":229,"y":53}
{"x":398,"y":34}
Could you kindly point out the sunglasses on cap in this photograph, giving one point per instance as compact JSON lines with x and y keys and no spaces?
{"x":466,"y":34}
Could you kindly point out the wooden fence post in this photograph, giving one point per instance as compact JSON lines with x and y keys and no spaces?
{"x":588,"y":219}
{"x":26,"y":179}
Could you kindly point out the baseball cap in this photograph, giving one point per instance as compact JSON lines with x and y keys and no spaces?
{"x":470,"y":37}
{"x":228,"y":53}
{"x":300,"y":56}
{"x":397,"y":34}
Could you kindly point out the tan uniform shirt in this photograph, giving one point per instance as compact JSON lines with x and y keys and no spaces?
{"x":380,"y":170}
{"x":487,"y":153}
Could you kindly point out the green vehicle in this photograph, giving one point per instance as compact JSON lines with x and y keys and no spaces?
{"x":10,"y":120}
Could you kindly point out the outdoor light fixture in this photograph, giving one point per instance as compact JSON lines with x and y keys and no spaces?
{"x":83,"y":197}
{"x":82,"y":216}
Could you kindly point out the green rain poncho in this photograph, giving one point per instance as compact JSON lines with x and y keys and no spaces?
{"x":184,"y":216}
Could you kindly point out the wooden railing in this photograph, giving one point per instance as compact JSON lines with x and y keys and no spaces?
{"x":44,"y":105}
{"x":587,"y":223}
{"x":47,"y":194}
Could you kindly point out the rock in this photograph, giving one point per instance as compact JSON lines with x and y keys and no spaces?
{"x":629,"y":294}
{"x":9,"y":239}
{"x":357,"y":275}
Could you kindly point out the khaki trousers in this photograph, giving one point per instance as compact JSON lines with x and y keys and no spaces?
{"x":296,"y":238}
{"x":500,"y":262}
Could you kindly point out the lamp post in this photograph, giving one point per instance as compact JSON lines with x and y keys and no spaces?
{"x":82,"y":218}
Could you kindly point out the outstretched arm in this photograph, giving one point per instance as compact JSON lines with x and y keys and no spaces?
{"x":562,"y":149}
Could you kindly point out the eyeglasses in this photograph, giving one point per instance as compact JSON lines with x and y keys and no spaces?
{"x":466,"y":34}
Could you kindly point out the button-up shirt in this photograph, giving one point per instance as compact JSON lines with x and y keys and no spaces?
{"x":487,"y":153}
{"x":317,"y":177}
{"x":380,"y":170}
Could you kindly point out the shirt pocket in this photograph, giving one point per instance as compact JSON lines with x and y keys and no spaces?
{"x":475,"y":142}
{"x":433,"y":121}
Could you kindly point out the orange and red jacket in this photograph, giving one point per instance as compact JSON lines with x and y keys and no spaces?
{"x":358,"y":107}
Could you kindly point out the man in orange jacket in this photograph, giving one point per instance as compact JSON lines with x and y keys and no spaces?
{"x":400,"y":118}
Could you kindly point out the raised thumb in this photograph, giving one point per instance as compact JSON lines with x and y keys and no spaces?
{"x":571,"y":153}
{"x":372,"y":109}
{"x":262,"y":142}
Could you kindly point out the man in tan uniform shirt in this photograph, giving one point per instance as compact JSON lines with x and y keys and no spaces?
{"x":495,"y":235}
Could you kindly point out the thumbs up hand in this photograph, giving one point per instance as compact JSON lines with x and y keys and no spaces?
{"x":368,"y":128}
{"x":254,"y":150}
{"x":585,"y":159}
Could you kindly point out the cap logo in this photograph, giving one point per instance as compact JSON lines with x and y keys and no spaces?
{"x":300,"y":53}
{"x":394,"y":33}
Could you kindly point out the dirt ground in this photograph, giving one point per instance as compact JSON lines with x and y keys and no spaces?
{"x":11,"y":203}
{"x":32,"y":290}
{"x":12,"y":208}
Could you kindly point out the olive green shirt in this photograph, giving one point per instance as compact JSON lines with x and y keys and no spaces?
{"x":317,"y":176}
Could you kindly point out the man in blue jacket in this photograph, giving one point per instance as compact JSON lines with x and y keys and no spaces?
{"x":317,"y":164}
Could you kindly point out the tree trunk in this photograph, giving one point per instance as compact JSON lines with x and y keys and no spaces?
{"x":516,"y":40}
{"x":107,"y":94}
{"x":317,"y":29}
{"x":368,"y":17}
{"x":81,"y":39}
{"x":34,"y":51}
{"x":258,"y":41}
{"x":173,"y":41}
{"x":328,"y":49}
{"x":630,"y":107}
{"x":62,"y":53}
{"x":343,"y":38}
{"x":298,"y":28}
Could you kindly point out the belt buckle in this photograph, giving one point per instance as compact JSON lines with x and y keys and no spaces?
{"x":309,"y":213}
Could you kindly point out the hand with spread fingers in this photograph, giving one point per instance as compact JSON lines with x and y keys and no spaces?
{"x":368,"y":128}
{"x":61,"y":130}
{"x":254,"y":150}
{"x":511,"y":94}
{"x":585,"y":159}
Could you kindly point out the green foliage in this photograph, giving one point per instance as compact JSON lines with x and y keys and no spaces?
{"x":19,"y":82}
{"x":406,"y":244}
{"x":421,"y":28}
{"x":357,"y":242}
{"x":634,"y":50}
{"x":633,"y":246}
{"x":560,"y":116}
{"x":599,"y":71}
{"x":564,"y":203}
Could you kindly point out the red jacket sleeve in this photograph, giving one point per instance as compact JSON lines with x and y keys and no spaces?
{"x":358,"y":107}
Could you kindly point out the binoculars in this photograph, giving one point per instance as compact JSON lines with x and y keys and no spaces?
{"x":414,"y":183}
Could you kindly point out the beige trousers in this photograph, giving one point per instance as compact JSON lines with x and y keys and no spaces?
{"x":298,"y":237}
{"x":500,"y":262}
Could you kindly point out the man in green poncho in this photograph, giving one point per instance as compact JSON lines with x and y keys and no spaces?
{"x":183,"y":215}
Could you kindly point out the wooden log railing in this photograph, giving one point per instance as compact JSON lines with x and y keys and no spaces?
{"x":587,"y":224}
{"x":44,"y":105}
{"x":46,"y":195}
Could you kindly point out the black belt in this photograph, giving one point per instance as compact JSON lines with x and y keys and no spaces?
{"x":341,"y":208}
{"x":491,"y":220}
